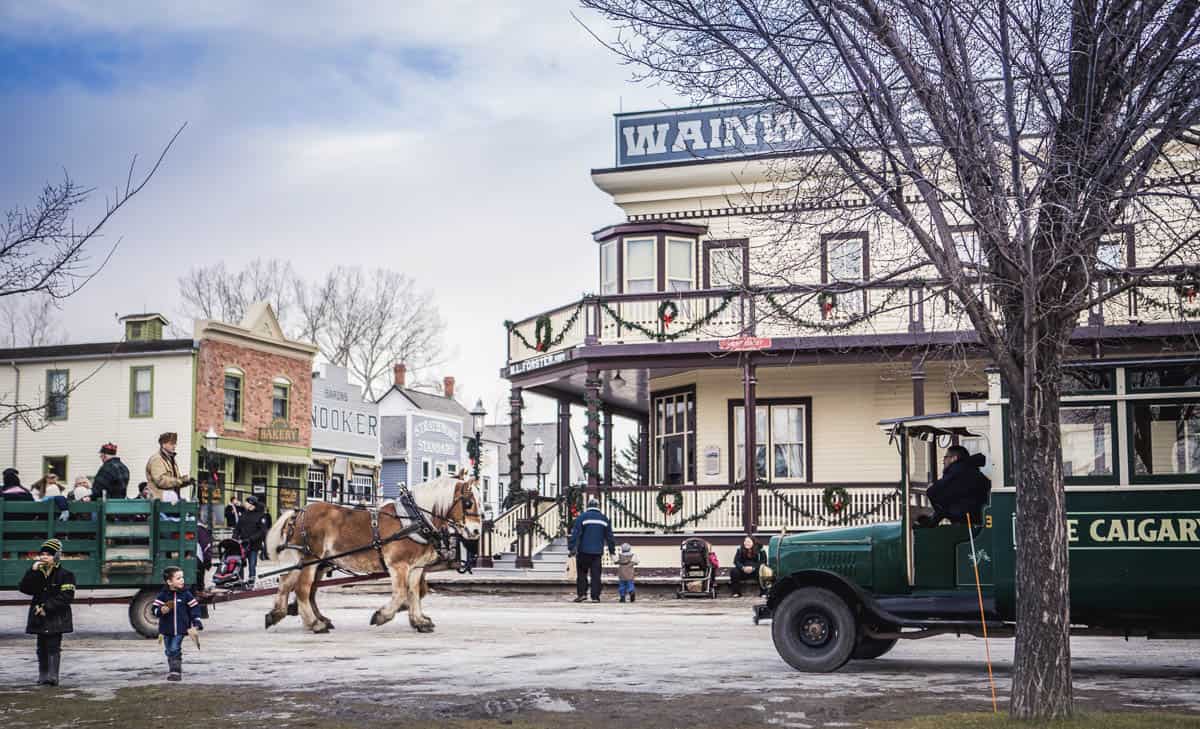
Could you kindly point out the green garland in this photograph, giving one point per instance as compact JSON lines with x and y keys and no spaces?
{"x":544,"y":338}
{"x":675,"y":505}
{"x":663,"y":526}
{"x":839,"y":518}
{"x":851,"y":321}
{"x":665,"y":336}
{"x":591,"y":432}
{"x":1180,"y":309}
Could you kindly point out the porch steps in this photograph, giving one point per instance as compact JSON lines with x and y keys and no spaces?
{"x":550,"y":562}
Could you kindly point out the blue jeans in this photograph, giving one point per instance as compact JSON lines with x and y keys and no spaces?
{"x":625,"y":587}
{"x":252,"y":562}
{"x":174,"y":645}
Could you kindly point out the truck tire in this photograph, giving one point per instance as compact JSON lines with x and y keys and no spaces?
{"x":140,"y":617}
{"x":814,"y":630}
{"x":870,"y":648}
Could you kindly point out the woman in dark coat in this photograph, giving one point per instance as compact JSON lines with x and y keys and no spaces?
{"x":52,"y":588}
{"x":749,"y":557}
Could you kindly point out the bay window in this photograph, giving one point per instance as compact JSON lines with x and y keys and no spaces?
{"x":640,"y":265}
{"x":681,"y":259}
{"x":608,"y":268}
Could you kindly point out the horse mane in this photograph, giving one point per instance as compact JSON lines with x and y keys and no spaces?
{"x":436,"y":496}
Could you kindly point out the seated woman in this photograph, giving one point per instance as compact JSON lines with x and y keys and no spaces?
{"x":746,"y":563}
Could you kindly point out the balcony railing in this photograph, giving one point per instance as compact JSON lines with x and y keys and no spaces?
{"x":843,"y":310}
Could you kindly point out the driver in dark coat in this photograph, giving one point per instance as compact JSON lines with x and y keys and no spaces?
{"x":961,"y":490}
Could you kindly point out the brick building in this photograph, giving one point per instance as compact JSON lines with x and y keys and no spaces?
{"x":254,"y":388}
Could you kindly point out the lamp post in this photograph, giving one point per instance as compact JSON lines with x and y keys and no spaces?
{"x":477,"y":416}
{"x":538,"y":445}
{"x":208,"y":464}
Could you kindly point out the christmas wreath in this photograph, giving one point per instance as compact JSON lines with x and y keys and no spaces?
{"x":668,"y":312}
{"x":674,"y":506}
{"x":1187,"y":285}
{"x":835,"y":499}
{"x":827,"y":302}
{"x":542,"y":333}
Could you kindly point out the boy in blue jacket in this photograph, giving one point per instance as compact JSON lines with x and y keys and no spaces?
{"x":178,"y":612}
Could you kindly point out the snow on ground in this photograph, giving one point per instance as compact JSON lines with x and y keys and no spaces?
{"x":518,"y":642}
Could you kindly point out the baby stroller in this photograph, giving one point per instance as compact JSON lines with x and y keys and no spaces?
{"x":232,"y":567}
{"x":697,"y":578}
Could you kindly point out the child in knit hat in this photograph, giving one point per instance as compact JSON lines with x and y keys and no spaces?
{"x":52,"y":588}
{"x":626,"y":571}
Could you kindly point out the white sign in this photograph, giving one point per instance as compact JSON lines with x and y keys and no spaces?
{"x":535,"y":363}
{"x":341,"y":421}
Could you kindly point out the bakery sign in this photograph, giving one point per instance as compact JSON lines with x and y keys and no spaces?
{"x":279,"y":432}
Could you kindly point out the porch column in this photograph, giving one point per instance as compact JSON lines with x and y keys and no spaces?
{"x":564,"y":446}
{"x":750,"y":496}
{"x":592,"y":398}
{"x":918,"y":393}
{"x":608,"y":448}
{"x":643,"y":451}
{"x":515,"y":405}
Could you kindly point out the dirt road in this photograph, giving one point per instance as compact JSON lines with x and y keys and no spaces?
{"x":536,"y":661}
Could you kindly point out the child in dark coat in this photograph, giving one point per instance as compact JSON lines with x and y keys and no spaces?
{"x":52,"y":588}
{"x":178,"y":613}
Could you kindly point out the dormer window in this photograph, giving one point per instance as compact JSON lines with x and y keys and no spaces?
{"x":645,"y":258}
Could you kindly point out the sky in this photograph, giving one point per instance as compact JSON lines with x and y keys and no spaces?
{"x":449,"y":140}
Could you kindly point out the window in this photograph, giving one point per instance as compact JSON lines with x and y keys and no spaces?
{"x":280,"y":391}
{"x":1166,"y":438}
{"x":1182,"y":377}
{"x":316,"y":483}
{"x":258,"y":476}
{"x":640,"y":265}
{"x":781,"y":437}
{"x":135,"y":330}
{"x":675,"y":438}
{"x":608,"y":268}
{"x":845,"y":260}
{"x":56,"y":465}
{"x":362,"y":486}
{"x":1078,"y":381}
{"x":966,"y":243}
{"x":58,"y":389}
{"x":141,"y":392}
{"x":233,"y":396}
{"x":487,"y":490}
{"x":451,"y":469}
{"x":681,"y":258}
{"x":726,"y":267}
{"x":289,"y":476}
{"x":426,"y":469}
{"x":1087,"y":441}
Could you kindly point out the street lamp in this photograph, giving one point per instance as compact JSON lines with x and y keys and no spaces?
{"x":477,"y":416}
{"x":538,"y":445}
{"x":208,"y":464}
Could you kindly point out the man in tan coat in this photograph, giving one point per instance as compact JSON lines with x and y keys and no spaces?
{"x":162,"y":474}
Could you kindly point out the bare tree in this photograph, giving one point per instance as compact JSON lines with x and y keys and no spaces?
{"x":214,"y":292}
{"x":30,"y":321}
{"x":364,"y":321}
{"x":1038,"y":128}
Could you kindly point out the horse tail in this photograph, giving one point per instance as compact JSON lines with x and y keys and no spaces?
{"x":277,"y":539}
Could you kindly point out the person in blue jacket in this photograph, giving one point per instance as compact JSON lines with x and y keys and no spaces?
{"x":178,"y":611}
{"x":591,"y":532}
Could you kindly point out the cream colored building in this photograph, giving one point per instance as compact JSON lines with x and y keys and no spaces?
{"x":712,"y":289}
{"x":86,"y":395}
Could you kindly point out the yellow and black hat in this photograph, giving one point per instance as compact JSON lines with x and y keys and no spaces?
{"x":51,"y":546}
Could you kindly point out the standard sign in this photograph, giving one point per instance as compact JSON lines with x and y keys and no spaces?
{"x":705,"y":133}
{"x":744,"y":344}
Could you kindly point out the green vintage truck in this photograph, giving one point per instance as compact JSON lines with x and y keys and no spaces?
{"x":116,"y":549}
{"x":1131,"y":455}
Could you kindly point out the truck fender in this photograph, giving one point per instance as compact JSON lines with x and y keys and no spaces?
{"x":860,"y":603}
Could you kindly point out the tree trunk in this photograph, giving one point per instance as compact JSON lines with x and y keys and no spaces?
{"x":1042,"y":661}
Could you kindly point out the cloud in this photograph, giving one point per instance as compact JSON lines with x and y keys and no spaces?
{"x":448,"y":140}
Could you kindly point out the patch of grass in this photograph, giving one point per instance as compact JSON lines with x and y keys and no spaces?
{"x":1108,"y":720}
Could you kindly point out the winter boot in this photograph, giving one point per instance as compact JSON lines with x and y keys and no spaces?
{"x":633,"y":597}
{"x":622,"y":598}
{"x":52,"y":662}
{"x":174,"y":668}
{"x":43,"y":669}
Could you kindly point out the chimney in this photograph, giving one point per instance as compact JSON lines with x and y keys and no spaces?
{"x":398,"y":372}
{"x":448,"y":387}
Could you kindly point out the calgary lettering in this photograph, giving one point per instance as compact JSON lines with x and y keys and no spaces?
{"x":1134,"y":530}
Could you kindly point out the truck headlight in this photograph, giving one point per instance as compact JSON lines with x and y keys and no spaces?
{"x":765,"y":577}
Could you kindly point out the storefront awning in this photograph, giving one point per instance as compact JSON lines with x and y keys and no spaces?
{"x":268,"y":457}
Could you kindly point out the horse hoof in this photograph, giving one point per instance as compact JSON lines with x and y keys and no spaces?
{"x":329,"y":624}
{"x":377,"y":618}
{"x":423,"y":628}
{"x":320,"y":628}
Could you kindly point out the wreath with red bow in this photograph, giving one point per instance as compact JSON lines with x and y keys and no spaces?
{"x":827,"y":302}
{"x":542,"y":333}
{"x":675,"y":503}
{"x":1186,"y":286}
{"x":835,"y":499}
{"x":668,"y":312}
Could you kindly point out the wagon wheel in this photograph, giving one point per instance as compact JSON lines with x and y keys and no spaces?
{"x":140,"y":615}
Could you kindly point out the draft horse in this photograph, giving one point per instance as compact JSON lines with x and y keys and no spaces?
{"x":404,"y":538}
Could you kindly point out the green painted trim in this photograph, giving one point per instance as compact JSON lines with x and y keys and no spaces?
{"x":133,"y":373}
{"x":241,"y":399}
{"x":253,"y":446}
{"x":1115,"y":478}
{"x":66,"y":397}
{"x":1153,"y":479}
